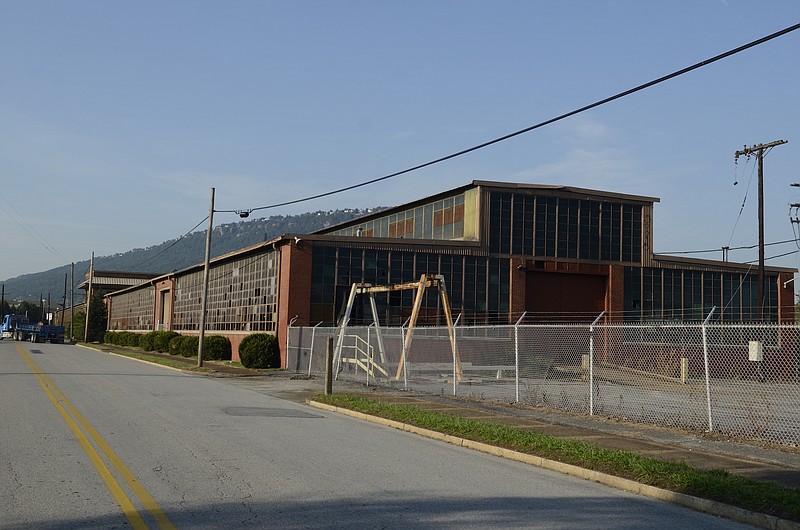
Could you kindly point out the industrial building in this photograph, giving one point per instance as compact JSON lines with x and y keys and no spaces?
{"x":504,"y":249}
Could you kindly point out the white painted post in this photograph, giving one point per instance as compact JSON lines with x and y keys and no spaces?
{"x":708,"y":377}
{"x":311,"y":353}
{"x":516,"y":356}
{"x":368,"y":354}
{"x":405,"y":353}
{"x":591,"y":362}
{"x":289,"y":332}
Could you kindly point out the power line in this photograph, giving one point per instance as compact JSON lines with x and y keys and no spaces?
{"x":171,"y":245}
{"x":30,"y":229}
{"x":532,"y":127}
{"x":749,"y":247}
{"x":746,"y":193}
{"x":776,"y":257}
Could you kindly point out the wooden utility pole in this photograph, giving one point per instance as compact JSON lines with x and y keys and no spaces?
{"x":759,"y":151}
{"x":204,"y":296}
{"x":88,"y":299}
{"x":72,"y":304}
{"x":64,"y":301}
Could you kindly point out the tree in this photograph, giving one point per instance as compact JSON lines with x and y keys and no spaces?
{"x":75,"y":329}
{"x":98,"y":319}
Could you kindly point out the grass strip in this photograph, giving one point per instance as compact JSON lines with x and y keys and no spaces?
{"x":717,"y":485}
{"x":181,"y":363}
{"x":173,"y":363}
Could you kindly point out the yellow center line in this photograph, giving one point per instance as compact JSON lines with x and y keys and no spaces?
{"x":58,"y":398}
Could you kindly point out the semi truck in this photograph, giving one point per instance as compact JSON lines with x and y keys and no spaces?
{"x":18,"y":327}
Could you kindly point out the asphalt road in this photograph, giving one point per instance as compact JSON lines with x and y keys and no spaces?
{"x":91,"y":440}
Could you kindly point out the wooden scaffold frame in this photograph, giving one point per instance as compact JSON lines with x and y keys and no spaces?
{"x":425,"y":281}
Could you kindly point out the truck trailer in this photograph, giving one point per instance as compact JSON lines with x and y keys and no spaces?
{"x":18,"y":327}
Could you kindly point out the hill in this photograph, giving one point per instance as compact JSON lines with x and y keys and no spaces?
{"x":175,"y":253}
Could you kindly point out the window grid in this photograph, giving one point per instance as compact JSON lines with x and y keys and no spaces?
{"x":667,"y":294}
{"x":133,"y":310}
{"x":242,"y":296}
{"x":559,"y":227}
{"x":440,"y":220}
{"x":478,"y":287}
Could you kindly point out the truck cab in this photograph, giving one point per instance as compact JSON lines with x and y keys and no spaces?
{"x":10,"y":324}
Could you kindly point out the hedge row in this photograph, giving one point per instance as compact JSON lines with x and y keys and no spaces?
{"x":151,"y":341}
{"x":215,"y":347}
{"x":122,"y":338}
{"x":259,"y":350}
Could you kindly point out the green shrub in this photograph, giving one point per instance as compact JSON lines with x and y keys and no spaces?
{"x":129,"y":338}
{"x":146,"y":341}
{"x":161,"y":340}
{"x":121,"y":338}
{"x":175,"y":345}
{"x":188,"y":346}
{"x":216,"y":348}
{"x":260,"y":350}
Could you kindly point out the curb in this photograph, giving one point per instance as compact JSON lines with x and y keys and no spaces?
{"x":702,"y":505}
{"x":132,"y":358}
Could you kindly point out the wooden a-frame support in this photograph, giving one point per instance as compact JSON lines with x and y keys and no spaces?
{"x":425,"y":281}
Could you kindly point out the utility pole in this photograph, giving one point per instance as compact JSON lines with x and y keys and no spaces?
{"x":72,"y":304}
{"x":204,"y":296}
{"x":759,"y":151}
{"x":64,"y":301}
{"x":88,"y":299}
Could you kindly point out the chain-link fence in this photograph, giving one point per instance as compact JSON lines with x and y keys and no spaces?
{"x":740,"y":380}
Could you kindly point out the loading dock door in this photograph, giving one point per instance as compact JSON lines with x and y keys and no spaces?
{"x":555,"y":292}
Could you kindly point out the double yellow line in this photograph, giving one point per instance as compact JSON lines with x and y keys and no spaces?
{"x":75,"y":421}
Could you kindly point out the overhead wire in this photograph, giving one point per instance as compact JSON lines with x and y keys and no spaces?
{"x":30,"y":229}
{"x":172,"y":244}
{"x":777,"y":256}
{"x":744,"y":200}
{"x":532,"y":127}
{"x":748,"y":247}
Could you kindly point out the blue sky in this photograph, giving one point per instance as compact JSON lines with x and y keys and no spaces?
{"x":116,"y":118}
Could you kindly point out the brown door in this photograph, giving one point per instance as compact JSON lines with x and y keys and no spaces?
{"x":554,"y":292}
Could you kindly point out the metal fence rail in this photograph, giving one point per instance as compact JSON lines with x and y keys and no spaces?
{"x":739,"y":380}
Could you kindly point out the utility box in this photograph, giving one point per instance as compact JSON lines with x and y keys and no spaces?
{"x":756,"y":350}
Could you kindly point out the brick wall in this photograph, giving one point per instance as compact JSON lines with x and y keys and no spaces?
{"x":615,"y":297}
{"x":294,"y":289}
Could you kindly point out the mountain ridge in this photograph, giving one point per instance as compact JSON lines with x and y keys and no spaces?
{"x":174,"y":254}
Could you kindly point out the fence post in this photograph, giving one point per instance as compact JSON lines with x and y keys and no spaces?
{"x":405,"y":353}
{"x":368,"y":353}
{"x":591,"y":362}
{"x":329,"y":367}
{"x":516,"y":356}
{"x":455,"y":355}
{"x":311,"y":353}
{"x":708,"y":376}
{"x":289,"y":332}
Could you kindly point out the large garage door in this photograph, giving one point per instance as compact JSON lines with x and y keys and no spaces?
{"x":553,"y":292}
